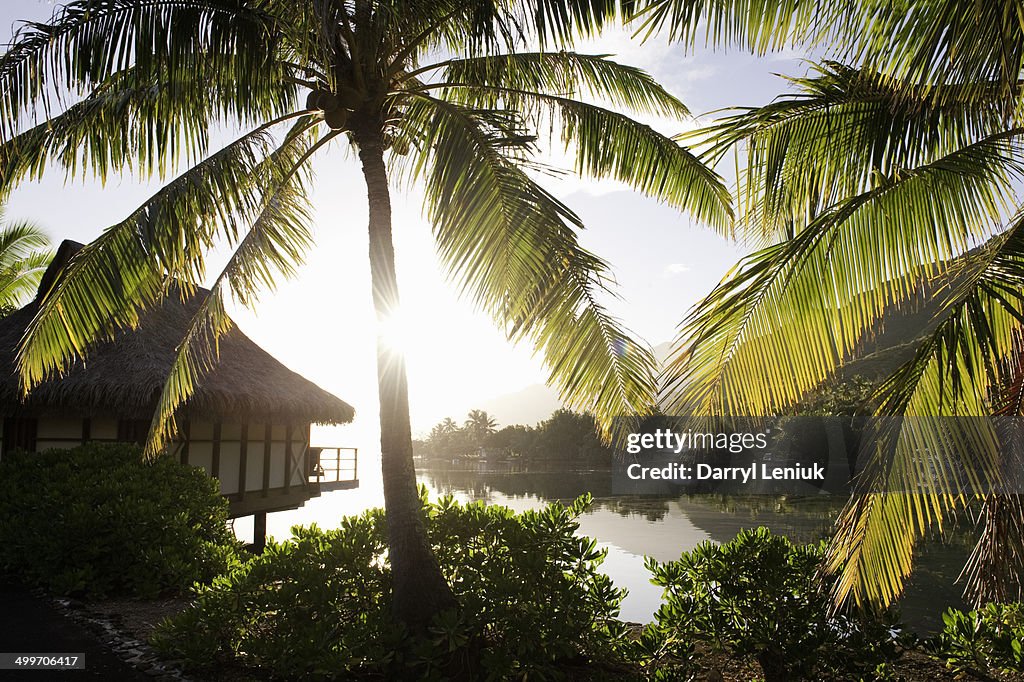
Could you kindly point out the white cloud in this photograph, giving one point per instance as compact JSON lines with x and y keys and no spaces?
{"x":673,"y":269}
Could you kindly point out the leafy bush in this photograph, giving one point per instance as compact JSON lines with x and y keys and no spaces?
{"x":982,"y":641}
{"x":318,"y":605}
{"x":760,"y":596}
{"x":527,"y":584}
{"x":99,"y":520}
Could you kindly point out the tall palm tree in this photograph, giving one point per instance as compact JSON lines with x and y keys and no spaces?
{"x":433,"y":92}
{"x":479,"y":424}
{"x":896,"y":165}
{"x":23,"y":259}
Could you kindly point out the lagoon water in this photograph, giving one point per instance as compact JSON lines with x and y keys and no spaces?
{"x":637,"y":526}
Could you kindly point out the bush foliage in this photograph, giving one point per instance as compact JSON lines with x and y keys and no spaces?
{"x":318,"y":606}
{"x":988,"y":640}
{"x":761,"y":597}
{"x":99,"y":520}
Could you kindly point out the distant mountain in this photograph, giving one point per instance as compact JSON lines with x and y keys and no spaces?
{"x":536,"y":402}
{"x":533,"y":404}
{"x":890,"y":342}
{"x":894,"y":338}
{"x":661,"y":352}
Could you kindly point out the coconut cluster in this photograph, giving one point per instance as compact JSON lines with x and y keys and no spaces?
{"x":336,"y":107}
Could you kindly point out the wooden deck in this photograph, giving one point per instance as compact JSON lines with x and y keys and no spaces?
{"x":329,"y":469}
{"x":336,"y":468}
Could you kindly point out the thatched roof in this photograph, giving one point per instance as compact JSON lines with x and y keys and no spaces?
{"x":124,"y":377}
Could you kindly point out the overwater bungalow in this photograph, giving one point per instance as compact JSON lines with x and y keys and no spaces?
{"x":248,"y":423}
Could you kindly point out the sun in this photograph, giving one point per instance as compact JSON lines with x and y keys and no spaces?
{"x":395,"y":332}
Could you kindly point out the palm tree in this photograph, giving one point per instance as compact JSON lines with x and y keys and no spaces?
{"x":894,"y":167}
{"x":479,"y":424}
{"x":433,"y":92}
{"x":23,"y":259}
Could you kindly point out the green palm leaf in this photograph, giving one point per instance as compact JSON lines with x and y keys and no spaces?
{"x":163,"y":243}
{"x":24,"y":256}
{"x":512,"y":247}
{"x":844,"y":132}
{"x":134,"y":121}
{"x":274,"y":245}
{"x":957,"y":370}
{"x":786,"y":317}
{"x":606,"y":143}
{"x":89,"y":41}
{"x":759,"y":25}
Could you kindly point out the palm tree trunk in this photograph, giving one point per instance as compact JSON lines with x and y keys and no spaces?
{"x":419,"y":589}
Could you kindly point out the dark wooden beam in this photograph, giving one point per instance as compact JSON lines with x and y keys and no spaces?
{"x":215,"y":464}
{"x":243,"y":452}
{"x":289,"y":455}
{"x":277,"y":500}
{"x":267,"y":442}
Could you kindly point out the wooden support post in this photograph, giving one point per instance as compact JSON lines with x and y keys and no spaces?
{"x":289,"y":456}
{"x":215,"y":464}
{"x":259,"y":532}
{"x":243,"y":455}
{"x":268,"y":443}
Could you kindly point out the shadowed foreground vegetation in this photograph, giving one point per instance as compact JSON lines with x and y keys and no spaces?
{"x":533,"y":602}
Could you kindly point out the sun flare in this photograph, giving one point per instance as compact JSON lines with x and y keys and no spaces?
{"x":395,"y":332}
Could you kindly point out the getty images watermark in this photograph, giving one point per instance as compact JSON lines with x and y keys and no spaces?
{"x":818,"y":455}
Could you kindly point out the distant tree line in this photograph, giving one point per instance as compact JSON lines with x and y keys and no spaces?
{"x":564,"y":436}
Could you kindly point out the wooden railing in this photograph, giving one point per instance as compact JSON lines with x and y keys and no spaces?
{"x":334,"y":468}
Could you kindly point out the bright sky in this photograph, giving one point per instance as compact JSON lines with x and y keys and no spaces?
{"x":321,"y":323}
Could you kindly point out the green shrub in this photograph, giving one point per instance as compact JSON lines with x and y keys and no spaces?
{"x":318,"y":605}
{"x":527,"y":584}
{"x":989,"y":639}
{"x":98,"y":520}
{"x":760,"y":596}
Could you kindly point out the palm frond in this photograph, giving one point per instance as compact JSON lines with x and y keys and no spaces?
{"x":566,"y":74}
{"x":608,"y":144}
{"x":841,"y":133}
{"x":934,"y":466}
{"x":19,"y":279}
{"x":20,"y":240}
{"x":133,"y":121}
{"x":759,"y":25}
{"x":992,"y":573}
{"x":787,"y":316}
{"x":274,"y":245}
{"x":920,"y":43}
{"x":23,"y":259}
{"x":86,"y":42}
{"x":512,"y":247}
{"x":941,"y":42}
{"x":161,"y":244}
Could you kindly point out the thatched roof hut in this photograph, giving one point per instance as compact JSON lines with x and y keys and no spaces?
{"x":125,"y":376}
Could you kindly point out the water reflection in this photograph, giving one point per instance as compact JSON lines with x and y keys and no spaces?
{"x":630,"y":527}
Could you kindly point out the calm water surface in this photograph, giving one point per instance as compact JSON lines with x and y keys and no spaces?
{"x":633,"y":527}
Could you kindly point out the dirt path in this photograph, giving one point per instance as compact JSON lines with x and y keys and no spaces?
{"x":30,"y":624}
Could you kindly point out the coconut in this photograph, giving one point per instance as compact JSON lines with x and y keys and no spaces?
{"x":313,"y":99}
{"x":336,"y":118}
